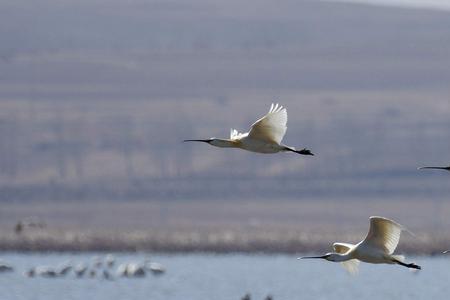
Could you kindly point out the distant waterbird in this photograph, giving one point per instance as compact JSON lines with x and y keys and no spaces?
{"x":97,"y":262}
{"x":265,"y":135}
{"x":92,"y":273}
{"x":45,"y":271}
{"x":30,"y":273}
{"x":23,"y":224}
{"x":122,"y":270}
{"x":246,"y":297}
{"x":135,"y":270}
{"x":131,"y":270}
{"x":377,"y":248}
{"x":110,"y":260}
{"x":4,"y":267}
{"x":155,"y":268}
{"x":107,"y":275}
{"x":436,"y":168}
{"x":80,"y":270}
{"x":64,"y":270}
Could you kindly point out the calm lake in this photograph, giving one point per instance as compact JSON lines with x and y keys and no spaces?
{"x":227,"y":277}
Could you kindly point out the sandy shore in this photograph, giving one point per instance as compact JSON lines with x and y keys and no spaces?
{"x":219,"y":226}
{"x":215,"y":241}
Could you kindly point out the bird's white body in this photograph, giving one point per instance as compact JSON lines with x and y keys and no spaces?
{"x":254,"y":145}
{"x":367,"y":253}
{"x":265,"y":135}
{"x":248,"y":143}
{"x":377,"y":248}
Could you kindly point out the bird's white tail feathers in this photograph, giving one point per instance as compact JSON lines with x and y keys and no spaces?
{"x":351,"y":266}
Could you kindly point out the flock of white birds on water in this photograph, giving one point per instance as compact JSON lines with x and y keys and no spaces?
{"x":99,"y":267}
{"x":378,"y":247}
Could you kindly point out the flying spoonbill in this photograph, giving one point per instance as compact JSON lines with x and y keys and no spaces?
{"x":264,"y":136}
{"x":377,"y":248}
{"x":438,"y":168}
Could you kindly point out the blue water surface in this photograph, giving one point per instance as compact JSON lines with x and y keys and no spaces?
{"x":227,"y":277}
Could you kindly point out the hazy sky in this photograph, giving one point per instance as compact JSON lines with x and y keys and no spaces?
{"x":112,"y":78}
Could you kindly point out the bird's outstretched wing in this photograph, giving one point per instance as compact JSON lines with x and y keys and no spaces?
{"x":383,"y":234}
{"x":272,"y":127}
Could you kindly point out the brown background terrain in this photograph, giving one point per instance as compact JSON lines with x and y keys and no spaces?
{"x":93,"y":110}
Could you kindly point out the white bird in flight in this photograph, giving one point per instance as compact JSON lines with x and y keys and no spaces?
{"x":437,"y":168}
{"x":264,"y":136}
{"x":377,"y":248}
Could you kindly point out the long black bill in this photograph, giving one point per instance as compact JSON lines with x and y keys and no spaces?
{"x":204,"y":141}
{"x":436,"y":168}
{"x":311,"y":257}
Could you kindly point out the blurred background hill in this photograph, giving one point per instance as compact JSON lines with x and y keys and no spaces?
{"x":96,"y":97}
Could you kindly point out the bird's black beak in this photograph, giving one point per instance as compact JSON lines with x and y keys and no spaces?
{"x":311,"y":257}
{"x":435,"y":168}
{"x":305,"y":152}
{"x":204,"y":141}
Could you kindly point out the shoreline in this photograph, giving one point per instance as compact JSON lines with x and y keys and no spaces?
{"x":224,"y":242}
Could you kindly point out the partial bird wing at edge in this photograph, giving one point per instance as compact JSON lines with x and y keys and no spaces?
{"x":272,"y":127}
{"x":384,"y":234}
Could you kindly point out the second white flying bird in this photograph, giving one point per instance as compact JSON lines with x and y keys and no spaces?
{"x":377,"y":248}
{"x":264,"y":136}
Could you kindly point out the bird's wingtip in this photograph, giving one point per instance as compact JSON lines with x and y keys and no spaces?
{"x":382,"y":219}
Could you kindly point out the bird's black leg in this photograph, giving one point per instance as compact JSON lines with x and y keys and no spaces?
{"x":410,"y":265}
{"x":302,"y":151}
